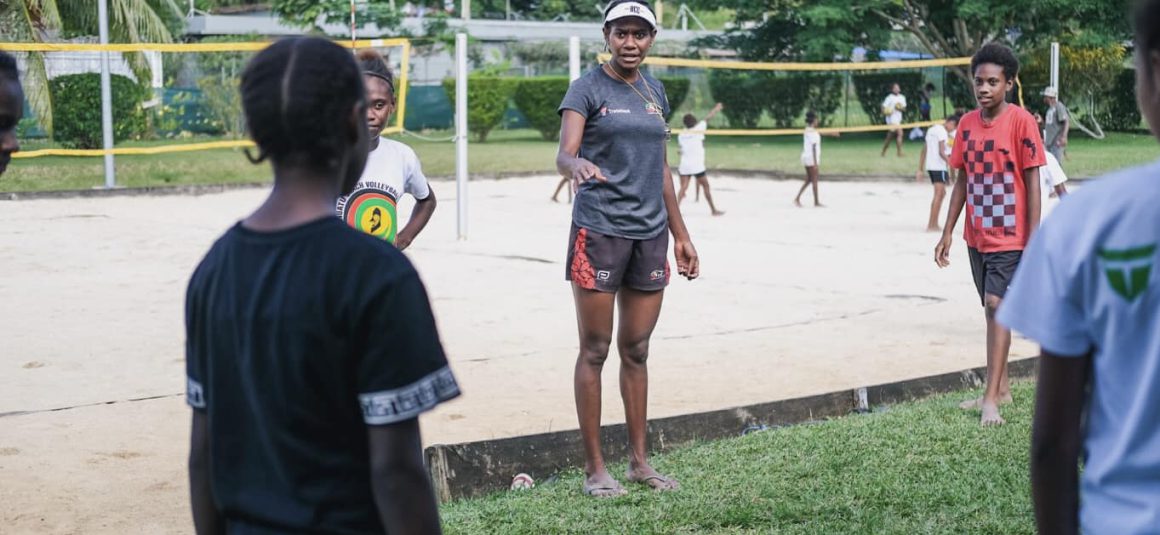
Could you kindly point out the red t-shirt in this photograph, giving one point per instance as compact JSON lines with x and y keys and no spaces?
{"x":995,"y":157}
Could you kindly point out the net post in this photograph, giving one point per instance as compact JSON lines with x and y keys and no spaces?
{"x":106,"y":96}
{"x":404,"y":82}
{"x":461,"y":133}
{"x":846,"y":90}
{"x":1055,"y":65}
{"x":573,"y":57}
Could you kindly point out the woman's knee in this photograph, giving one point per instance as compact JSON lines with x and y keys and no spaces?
{"x":634,"y":352}
{"x":594,"y":348}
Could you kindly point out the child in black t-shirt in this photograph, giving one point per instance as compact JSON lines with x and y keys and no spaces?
{"x":311,"y":347}
{"x":11,"y":108}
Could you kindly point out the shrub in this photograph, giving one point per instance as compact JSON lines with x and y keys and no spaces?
{"x":872,"y":88}
{"x":538,"y":99}
{"x":959,"y":91}
{"x":487,"y":100}
{"x":76,"y":109}
{"x":740,"y":92}
{"x":1120,"y":113}
{"x":676,"y":89}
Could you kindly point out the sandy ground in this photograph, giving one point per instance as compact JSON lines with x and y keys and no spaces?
{"x":792,"y":302}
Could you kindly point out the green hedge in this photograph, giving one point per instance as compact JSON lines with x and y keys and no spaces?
{"x":1120,"y":113}
{"x":959,"y":91}
{"x":487,"y":100}
{"x":76,"y":111}
{"x":676,"y":89}
{"x":742,"y":95}
{"x":538,"y":99}
{"x":785,"y":96}
{"x":873,"y":87}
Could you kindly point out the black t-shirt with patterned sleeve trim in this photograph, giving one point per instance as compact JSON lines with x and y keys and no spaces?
{"x":297,"y":340}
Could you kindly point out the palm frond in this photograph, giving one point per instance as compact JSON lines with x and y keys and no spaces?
{"x":36,"y":91}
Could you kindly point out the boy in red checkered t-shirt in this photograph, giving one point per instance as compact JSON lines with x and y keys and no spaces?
{"x":997,"y":154}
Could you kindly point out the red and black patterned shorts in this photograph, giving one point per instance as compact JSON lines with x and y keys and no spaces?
{"x":605,"y":263}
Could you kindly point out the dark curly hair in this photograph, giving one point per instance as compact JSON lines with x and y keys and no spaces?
{"x":297,"y":95}
{"x":996,"y":54}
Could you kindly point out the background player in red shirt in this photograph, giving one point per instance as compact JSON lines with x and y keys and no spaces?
{"x":997,"y":153}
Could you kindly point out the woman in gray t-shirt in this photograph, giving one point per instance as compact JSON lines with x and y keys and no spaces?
{"x":612,"y":146}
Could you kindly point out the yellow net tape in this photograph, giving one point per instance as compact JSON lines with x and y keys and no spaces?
{"x":793,"y":131}
{"x":161,"y":149}
{"x":762,"y":66}
{"x":401,"y":98}
{"x":182,"y":47}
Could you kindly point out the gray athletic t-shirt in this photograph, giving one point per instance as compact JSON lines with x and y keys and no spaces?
{"x":625,"y":137}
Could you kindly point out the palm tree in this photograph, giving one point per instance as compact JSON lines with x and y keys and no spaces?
{"x":46,"y":21}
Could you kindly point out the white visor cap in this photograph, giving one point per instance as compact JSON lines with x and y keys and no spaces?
{"x":632,"y":9}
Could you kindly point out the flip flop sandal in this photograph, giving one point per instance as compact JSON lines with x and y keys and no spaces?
{"x":609,"y":492}
{"x":667,"y":483}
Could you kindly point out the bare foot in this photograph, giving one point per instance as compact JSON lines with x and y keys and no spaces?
{"x":646,"y":475}
{"x":555,"y":200}
{"x":819,"y":205}
{"x":978,"y":402}
{"x":719,"y":212}
{"x":935,"y":228}
{"x":797,"y":203}
{"x":603,"y":485}
{"x":991,"y":415}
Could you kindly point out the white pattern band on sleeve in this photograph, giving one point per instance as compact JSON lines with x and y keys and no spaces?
{"x":194,"y":393}
{"x":401,"y":404}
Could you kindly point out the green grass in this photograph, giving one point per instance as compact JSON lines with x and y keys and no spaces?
{"x":924,"y":467}
{"x":520,"y":151}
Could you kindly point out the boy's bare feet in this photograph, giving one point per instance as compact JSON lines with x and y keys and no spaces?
{"x":603,"y":485}
{"x":797,"y":203}
{"x":991,"y":415}
{"x":978,"y":402}
{"x":819,"y":205}
{"x":719,"y":212}
{"x":935,"y":228}
{"x":646,"y":475}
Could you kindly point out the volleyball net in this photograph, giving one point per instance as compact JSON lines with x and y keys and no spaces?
{"x":168,"y":93}
{"x":772,"y":99}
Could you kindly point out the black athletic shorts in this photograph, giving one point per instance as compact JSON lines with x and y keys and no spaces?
{"x":993,"y":271}
{"x":605,"y":263}
{"x":937,"y":177}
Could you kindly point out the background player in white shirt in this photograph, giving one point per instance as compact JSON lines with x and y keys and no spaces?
{"x":811,"y":157}
{"x":1088,"y":292}
{"x":935,"y":159}
{"x":692,"y":143}
{"x":392,"y":168}
{"x":892,"y":109}
{"x":1052,"y":179}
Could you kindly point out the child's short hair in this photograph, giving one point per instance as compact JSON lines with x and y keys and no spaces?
{"x":689,"y":120}
{"x":996,"y":54}
{"x":1147,"y":24}
{"x":953,"y":118}
{"x":811,"y":116}
{"x":929,"y":86}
